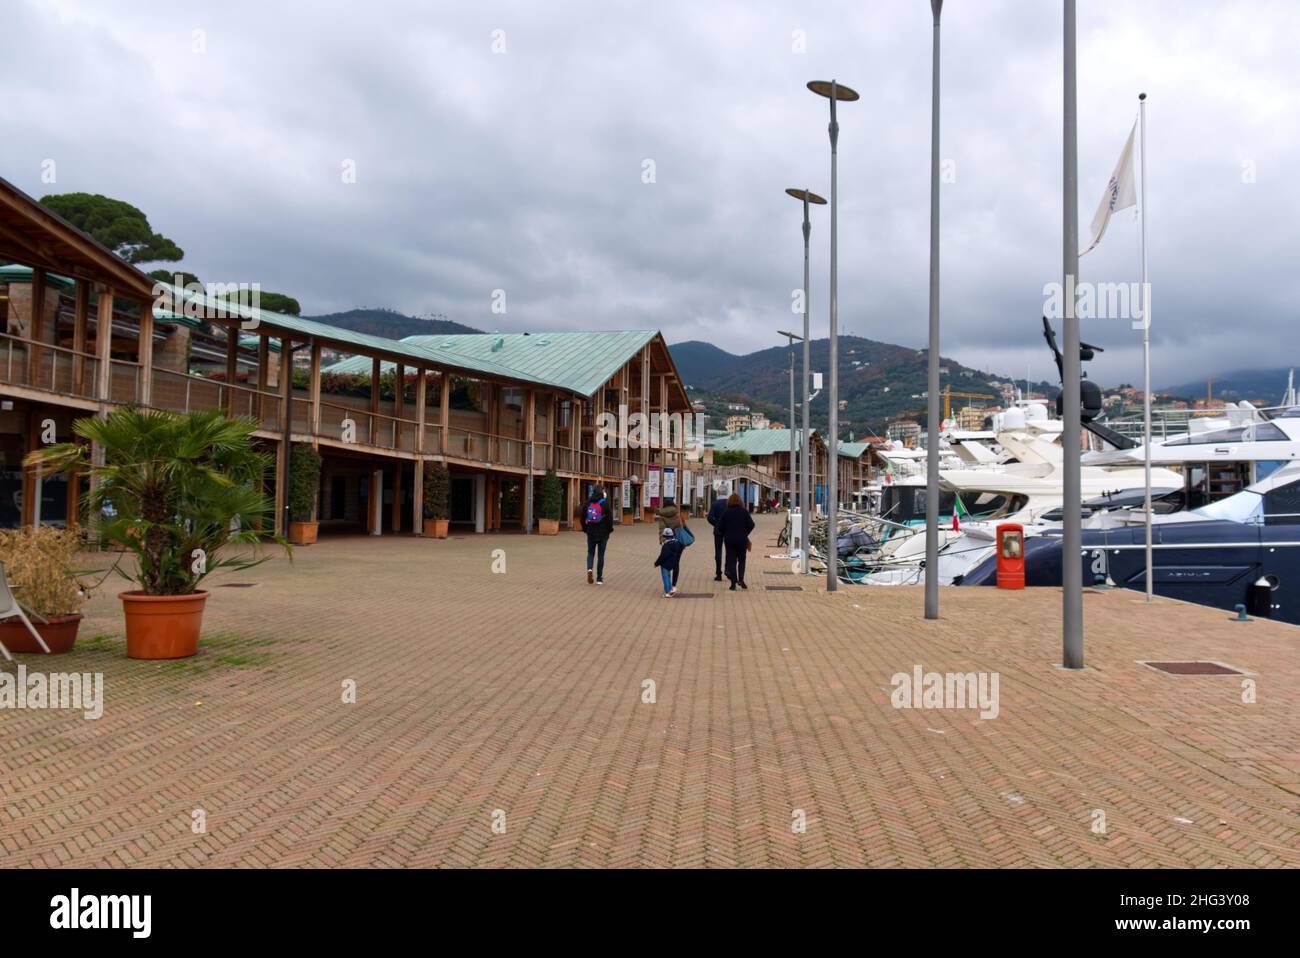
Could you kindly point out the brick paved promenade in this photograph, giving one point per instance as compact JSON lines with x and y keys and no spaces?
{"x":522,"y":692}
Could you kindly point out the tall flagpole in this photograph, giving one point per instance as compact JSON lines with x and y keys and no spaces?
{"x":932,"y":407}
{"x":1146,"y":345}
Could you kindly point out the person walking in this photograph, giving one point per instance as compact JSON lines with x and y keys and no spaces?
{"x":736,"y":525}
{"x":669,"y":561}
{"x":598,"y":523}
{"x":714,"y":517}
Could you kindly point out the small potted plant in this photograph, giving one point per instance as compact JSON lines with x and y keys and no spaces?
{"x":38,"y":567}
{"x":177,"y":491}
{"x":437,"y":493}
{"x":552,"y":504}
{"x":304,"y":492}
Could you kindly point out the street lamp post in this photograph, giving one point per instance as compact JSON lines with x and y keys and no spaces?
{"x":794,"y":475}
{"x":805,"y":452}
{"x":1071,"y":521}
{"x":932,"y":414}
{"x":834,"y":92}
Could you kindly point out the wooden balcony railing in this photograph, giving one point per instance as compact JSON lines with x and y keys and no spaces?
{"x":68,"y":372}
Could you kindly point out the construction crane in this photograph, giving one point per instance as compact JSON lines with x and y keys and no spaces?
{"x":949,"y":392}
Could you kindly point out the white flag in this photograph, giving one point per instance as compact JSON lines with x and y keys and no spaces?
{"x":1120,"y":193}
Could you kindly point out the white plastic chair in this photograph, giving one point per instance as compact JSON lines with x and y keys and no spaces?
{"x":9,"y":607}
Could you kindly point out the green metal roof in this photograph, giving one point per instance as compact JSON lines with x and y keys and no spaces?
{"x":580,"y":362}
{"x":304,"y":329}
{"x":757,"y":442}
{"x":852,"y":450}
{"x":13,"y":273}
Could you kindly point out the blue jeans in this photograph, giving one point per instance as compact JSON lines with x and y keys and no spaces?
{"x":670,"y":578}
{"x":595,"y":546}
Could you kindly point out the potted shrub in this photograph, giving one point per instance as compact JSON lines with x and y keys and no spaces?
{"x":304,"y":493}
{"x":552,"y":504}
{"x":38,"y":567}
{"x":177,"y":491}
{"x":437,"y":494}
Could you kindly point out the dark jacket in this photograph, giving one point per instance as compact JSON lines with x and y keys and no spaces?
{"x":603,"y":528}
{"x":735,"y":526}
{"x":715,"y":515}
{"x":670,"y":555}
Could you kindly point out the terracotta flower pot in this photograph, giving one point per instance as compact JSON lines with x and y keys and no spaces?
{"x":548,"y":527}
{"x":628,"y":517}
{"x":303,"y":533}
{"x":162,"y":626}
{"x":436,"y":528}
{"x":59,"y":633}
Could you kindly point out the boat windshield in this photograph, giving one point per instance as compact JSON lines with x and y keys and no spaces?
{"x":1245,"y":506}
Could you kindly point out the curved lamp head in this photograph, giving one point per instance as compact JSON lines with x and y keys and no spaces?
{"x":823,"y":88}
{"x":808,"y":195}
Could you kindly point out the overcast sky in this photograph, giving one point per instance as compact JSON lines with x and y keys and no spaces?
{"x":522,"y":170}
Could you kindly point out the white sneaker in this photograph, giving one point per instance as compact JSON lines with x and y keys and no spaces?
{"x":673,"y":590}
{"x":600,"y":582}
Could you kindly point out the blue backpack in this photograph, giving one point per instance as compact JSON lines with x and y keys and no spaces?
{"x":595,"y":512}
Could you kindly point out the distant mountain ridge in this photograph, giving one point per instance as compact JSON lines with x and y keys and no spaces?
{"x":390,"y":323}
{"x":877,"y":381}
{"x":1265,"y":384}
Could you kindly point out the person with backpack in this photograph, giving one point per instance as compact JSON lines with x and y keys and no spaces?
{"x":598,"y":523}
{"x":714,"y":517}
{"x":669,"y":561}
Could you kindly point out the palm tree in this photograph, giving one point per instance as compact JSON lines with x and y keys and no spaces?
{"x":174,"y":489}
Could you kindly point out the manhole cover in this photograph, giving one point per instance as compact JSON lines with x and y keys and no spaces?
{"x":1192,"y":668}
{"x":238,"y":585}
{"x":693,"y":595}
{"x":783,"y":588}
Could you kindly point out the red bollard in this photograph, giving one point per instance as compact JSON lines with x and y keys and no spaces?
{"x":1011,"y":556}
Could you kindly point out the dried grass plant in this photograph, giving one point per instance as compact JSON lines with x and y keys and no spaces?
{"x":39,"y":565}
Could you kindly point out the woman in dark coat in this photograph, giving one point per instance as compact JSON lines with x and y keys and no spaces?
{"x":734,"y":527}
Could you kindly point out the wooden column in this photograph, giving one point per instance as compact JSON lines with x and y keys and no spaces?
{"x":645,"y":412}
{"x":313,"y":385}
{"x":232,"y":354}
{"x":445,"y":402}
{"x":31,"y":485}
{"x":599,"y":410}
{"x":79,"y":337}
{"x":396,"y":508}
{"x":624,"y":398}
{"x":36,"y":328}
{"x":421,"y":397}
{"x":530,"y":411}
{"x":263,"y":371}
{"x":575,"y":433}
{"x":144,"y":353}
{"x":286,"y":436}
{"x":399,"y":403}
{"x":375,"y":371}
{"x":417,"y":496}
{"x":663,"y":411}
{"x":74,"y":500}
{"x":104,"y":345}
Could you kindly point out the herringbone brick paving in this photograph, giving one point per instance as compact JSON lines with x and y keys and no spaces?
{"x":520,"y":694}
